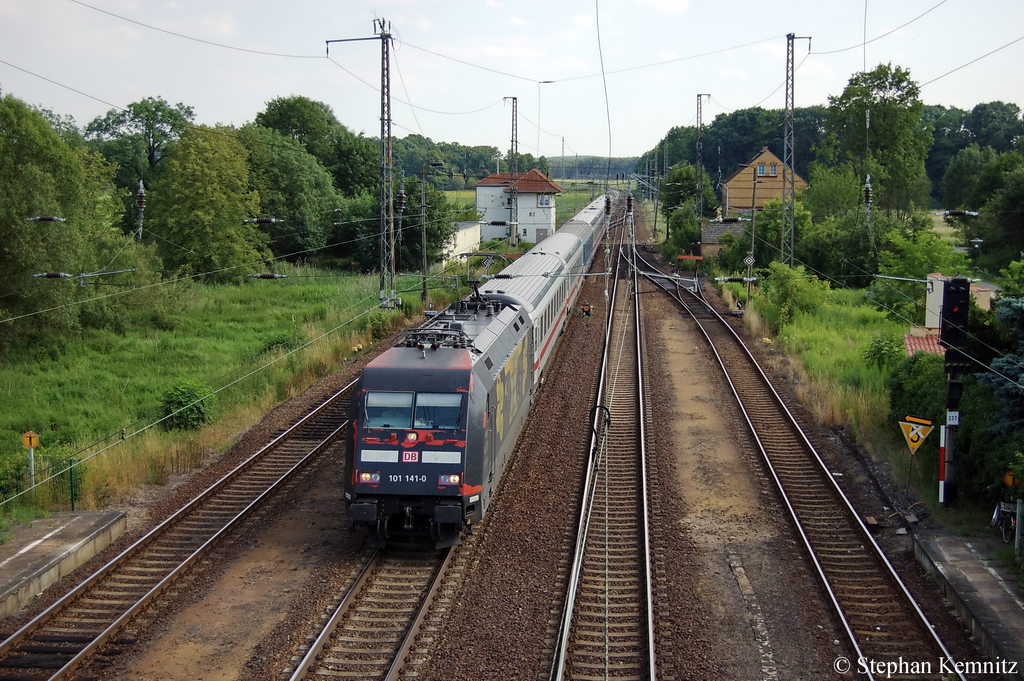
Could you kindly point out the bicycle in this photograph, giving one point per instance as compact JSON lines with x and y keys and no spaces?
{"x":1008,"y":520}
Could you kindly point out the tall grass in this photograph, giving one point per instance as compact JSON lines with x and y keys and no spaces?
{"x":821,"y":353}
{"x":256,"y":345}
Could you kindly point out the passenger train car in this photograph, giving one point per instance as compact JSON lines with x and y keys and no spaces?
{"x":436,"y":417}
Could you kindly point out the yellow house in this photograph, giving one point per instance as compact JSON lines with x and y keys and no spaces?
{"x":740,"y":193}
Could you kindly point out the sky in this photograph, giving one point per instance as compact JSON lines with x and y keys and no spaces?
{"x":622,"y":72}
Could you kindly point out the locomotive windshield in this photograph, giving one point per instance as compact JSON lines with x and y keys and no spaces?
{"x":392,"y":409}
{"x":388,"y":409}
{"x":438,"y":410}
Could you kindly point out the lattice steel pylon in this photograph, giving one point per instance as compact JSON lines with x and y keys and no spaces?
{"x":387,"y":207}
{"x":388,"y":295}
{"x":513,"y":185}
{"x":698,"y":205}
{"x":786,"y":246}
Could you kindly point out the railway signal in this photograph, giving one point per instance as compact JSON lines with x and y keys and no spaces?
{"x":956,"y":299}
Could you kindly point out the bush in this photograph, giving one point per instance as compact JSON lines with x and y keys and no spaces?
{"x":286,"y":340}
{"x":883,"y":350}
{"x":188,"y":405}
{"x":787,"y":291}
{"x":379,"y":324}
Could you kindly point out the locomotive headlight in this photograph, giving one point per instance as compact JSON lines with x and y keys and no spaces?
{"x":369,"y":477}
{"x":410,"y":437}
{"x":452,"y":479}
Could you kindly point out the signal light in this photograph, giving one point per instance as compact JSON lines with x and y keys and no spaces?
{"x":369,"y":478}
{"x":956,"y":301}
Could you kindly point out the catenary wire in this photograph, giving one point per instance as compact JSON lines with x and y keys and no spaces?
{"x":198,"y":40}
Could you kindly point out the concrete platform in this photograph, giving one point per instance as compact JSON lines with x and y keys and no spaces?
{"x":985,"y":596}
{"x":51,"y":548}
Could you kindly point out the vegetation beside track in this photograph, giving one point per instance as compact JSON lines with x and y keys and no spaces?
{"x":845,"y":358}
{"x":252,"y":346}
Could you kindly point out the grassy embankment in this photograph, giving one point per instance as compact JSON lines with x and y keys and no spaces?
{"x":256,"y":344}
{"x":821,"y":353}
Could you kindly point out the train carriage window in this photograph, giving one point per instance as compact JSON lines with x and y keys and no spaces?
{"x":438,"y":410}
{"x":387,"y":409}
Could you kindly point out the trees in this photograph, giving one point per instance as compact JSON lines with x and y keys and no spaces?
{"x":833,"y":191}
{"x":137,"y":139}
{"x":995,"y":124}
{"x":474,"y":163}
{"x":439,"y":225}
{"x":39,"y":176}
{"x":961,"y":178}
{"x":200,"y":204}
{"x":293,"y":187}
{"x":876,"y":125}
{"x":1003,"y":217}
{"x":351,"y":159}
{"x":679,"y":188}
{"x":734,"y":138}
{"x":139,"y":136}
{"x":950,"y":136}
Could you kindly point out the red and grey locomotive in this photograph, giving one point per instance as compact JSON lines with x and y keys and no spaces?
{"x":435,"y":418}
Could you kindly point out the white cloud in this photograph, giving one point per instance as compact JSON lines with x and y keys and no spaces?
{"x":669,"y":6}
{"x":734,"y":74}
{"x":222,"y":24}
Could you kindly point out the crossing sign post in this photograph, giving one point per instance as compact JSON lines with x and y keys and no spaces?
{"x":31,"y":441}
{"x":915,"y":430}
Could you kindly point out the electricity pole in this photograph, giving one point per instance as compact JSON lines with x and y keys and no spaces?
{"x":787,"y":246}
{"x":698,"y":205}
{"x":388,"y":295}
{"x":513,"y":189}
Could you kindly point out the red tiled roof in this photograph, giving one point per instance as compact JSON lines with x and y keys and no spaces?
{"x":533,"y":181}
{"x":929,"y":344}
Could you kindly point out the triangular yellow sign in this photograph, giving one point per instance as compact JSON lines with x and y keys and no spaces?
{"x":915,"y":432}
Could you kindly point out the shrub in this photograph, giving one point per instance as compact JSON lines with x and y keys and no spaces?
{"x":286,"y":340}
{"x":883,"y":350}
{"x":188,"y":405}
{"x":379,"y":324}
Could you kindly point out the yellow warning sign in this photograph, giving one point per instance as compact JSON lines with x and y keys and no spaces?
{"x":915,"y":430}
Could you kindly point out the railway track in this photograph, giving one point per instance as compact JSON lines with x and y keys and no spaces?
{"x":882,"y":621}
{"x":374,"y":629}
{"x":608,"y":623}
{"x":88,"y":624}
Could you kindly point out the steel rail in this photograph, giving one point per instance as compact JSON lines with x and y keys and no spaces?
{"x":849,"y":511}
{"x":388,"y":658}
{"x":598,"y":425}
{"x":642,"y":558}
{"x":75,"y":662}
{"x":331,"y":627}
{"x":644,"y":495}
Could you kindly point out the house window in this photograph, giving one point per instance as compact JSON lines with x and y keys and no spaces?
{"x":773,"y":170}
{"x":543,"y":200}
{"x":760,"y":170}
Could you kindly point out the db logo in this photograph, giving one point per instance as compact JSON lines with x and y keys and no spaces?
{"x":410,"y":457}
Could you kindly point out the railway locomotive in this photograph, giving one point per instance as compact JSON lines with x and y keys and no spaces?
{"x":435,"y":418}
